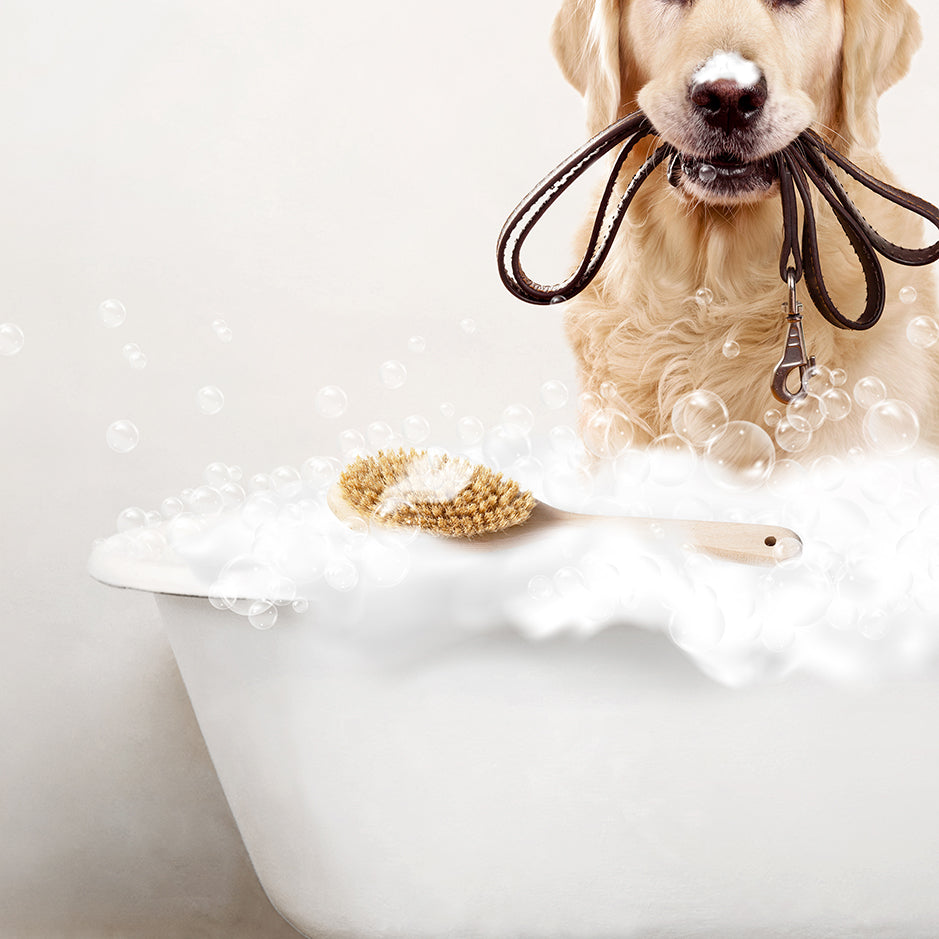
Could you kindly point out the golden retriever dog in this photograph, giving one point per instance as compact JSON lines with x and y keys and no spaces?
{"x":730,"y":82}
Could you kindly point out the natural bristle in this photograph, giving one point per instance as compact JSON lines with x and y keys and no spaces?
{"x":441,"y":494}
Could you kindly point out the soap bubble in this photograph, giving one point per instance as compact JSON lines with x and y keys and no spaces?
{"x":341,"y":574}
{"x":806,"y":413}
{"x":262,"y":614}
{"x":210,"y":399}
{"x":112,"y":313}
{"x":554,"y":394}
{"x":221,"y":330}
{"x":417,"y":344}
{"x":206,"y":501}
{"x":568,"y":487}
{"x":447,"y":409}
{"x":416,"y":428}
{"x":351,"y":441}
{"x":707,"y":173}
{"x":519,"y":417}
{"x":216,"y":473}
{"x":285,"y":476}
{"x":331,"y":401}
{"x":122,"y":436}
{"x":468,"y":326}
{"x":908,"y":295}
{"x":671,"y":459}
{"x":772,"y":417}
{"x":132,"y":517}
{"x":828,"y":472}
{"x":699,"y":416}
{"x":742,"y":457}
{"x":837,"y":404}
{"x":817,"y":379}
{"x":563,"y":440}
{"x":704,"y":293}
{"x":260,"y":482}
{"x":381,"y":435}
{"x":320,"y":471}
{"x":891,"y":426}
{"x":731,"y":349}
{"x":171,"y":506}
{"x":607,"y":433}
{"x":393,"y":373}
{"x":504,"y":446}
{"x":869,"y":390}
{"x":470,"y":430}
{"x":922,"y":332}
{"x":232,"y":494}
{"x":790,"y":438}
{"x":608,"y":391}
{"x":11,"y":339}
{"x":540,"y":587}
{"x":838,"y":377}
{"x":300,"y":605}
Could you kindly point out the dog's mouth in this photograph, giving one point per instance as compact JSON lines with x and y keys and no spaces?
{"x":722,"y":177}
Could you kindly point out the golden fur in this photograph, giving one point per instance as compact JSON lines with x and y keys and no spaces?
{"x":640,"y":325}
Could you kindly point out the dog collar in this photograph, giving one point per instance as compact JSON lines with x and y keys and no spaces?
{"x":802,"y":163}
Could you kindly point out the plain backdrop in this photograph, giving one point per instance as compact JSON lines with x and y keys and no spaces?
{"x":328,"y":179}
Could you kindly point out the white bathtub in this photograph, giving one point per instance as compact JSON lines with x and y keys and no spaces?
{"x":455,"y":783}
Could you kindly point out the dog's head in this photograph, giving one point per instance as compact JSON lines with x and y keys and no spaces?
{"x":730,"y":82}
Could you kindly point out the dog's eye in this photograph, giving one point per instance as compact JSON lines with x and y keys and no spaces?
{"x":777,"y":4}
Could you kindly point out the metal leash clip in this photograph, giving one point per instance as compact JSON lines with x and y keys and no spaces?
{"x":795,"y":355}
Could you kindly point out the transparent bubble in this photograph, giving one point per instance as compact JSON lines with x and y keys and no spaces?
{"x":393,"y":373}
{"x":838,"y":377}
{"x":922,"y":332}
{"x":632,"y":467}
{"x":891,"y":426}
{"x":503,"y":446}
{"x":470,"y":430}
{"x":468,"y":326}
{"x":569,"y":582}
{"x":122,"y":436}
{"x":699,"y":416}
{"x":671,"y":460}
{"x":112,"y":313}
{"x":259,"y":507}
{"x":554,"y":394}
{"x":563,"y":439}
{"x":331,"y":402}
{"x":262,"y":614}
{"x":828,"y":472}
{"x":837,"y":404}
{"x":786,"y":477}
{"x":707,"y":173}
{"x":11,"y":339}
{"x":260,"y":482}
{"x":772,"y":417}
{"x":608,"y":391}
{"x":351,"y":440}
{"x":731,"y":349}
{"x":221,"y":330}
{"x":341,"y":574}
{"x":216,"y":473}
{"x":300,"y":605}
{"x":132,"y":517}
{"x":232,"y":494}
{"x":568,"y":486}
{"x":705,"y":294}
{"x":540,"y":587}
{"x":790,"y":438}
{"x":806,"y":413}
{"x":908,"y":295}
{"x":285,"y":476}
{"x":607,"y":433}
{"x":171,"y":506}
{"x":210,"y":399}
{"x":416,"y":428}
{"x":742,"y":457}
{"x":447,"y":409}
{"x":869,"y":390}
{"x":380,"y":434}
{"x":206,"y":501}
{"x":321,"y":471}
{"x":817,"y":380}
{"x":519,"y":417}
{"x":417,"y":344}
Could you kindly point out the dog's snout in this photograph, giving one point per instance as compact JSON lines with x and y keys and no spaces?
{"x":727,"y":105}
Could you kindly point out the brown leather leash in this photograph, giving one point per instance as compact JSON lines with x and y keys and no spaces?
{"x":802,"y":163}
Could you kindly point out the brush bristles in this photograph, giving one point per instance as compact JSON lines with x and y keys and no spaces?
{"x":440,"y":494}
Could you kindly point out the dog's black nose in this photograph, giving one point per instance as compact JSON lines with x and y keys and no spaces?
{"x":727,"y":106}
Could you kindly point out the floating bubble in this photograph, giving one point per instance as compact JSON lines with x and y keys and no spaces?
{"x":731,"y":349}
{"x":772,"y":417}
{"x":221,"y":330}
{"x":671,"y":459}
{"x":563,"y":439}
{"x":171,"y":506}
{"x":790,"y":438}
{"x":300,"y":605}
{"x":132,"y":517}
{"x":519,"y":417}
{"x":393,"y":373}
{"x":742,"y":457}
{"x":607,"y":433}
{"x":381,"y":435}
{"x":232,"y":494}
{"x":216,"y":473}
{"x":470,"y":430}
{"x":321,"y":471}
{"x":837,"y":404}
{"x":554,"y":394}
{"x":447,"y":409}
{"x":285,"y":476}
{"x":806,"y":413}
{"x":11,"y":339}
{"x":122,"y":436}
{"x":609,"y":391}
{"x":699,"y":416}
{"x":908,"y":295}
{"x":828,"y":472}
{"x":891,"y":426}
{"x":540,"y":587}
{"x":350,"y":441}
{"x":817,"y":379}
{"x":210,"y":399}
{"x":417,"y":344}
{"x":331,"y":402}
{"x":416,"y":428}
{"x":838,"y":377}
{"x":112,"y":313}
{"x":705,"y":294}
{"x":787,"y":475}
{"x":922,"y":332}
{"x":262,"y":614}
{"x":869,"y":390}
{"x":503,"y":446}
{"x":260,"y":482}
{"x":468,"y":326}
{"x":341,"y":574}
{"x":206,"y":501}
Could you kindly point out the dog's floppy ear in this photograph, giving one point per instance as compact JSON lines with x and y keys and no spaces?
{"x":880,"y":37}
{"x":586,"y":43}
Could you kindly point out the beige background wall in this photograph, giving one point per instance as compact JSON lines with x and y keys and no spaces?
{"x":327,"y":178}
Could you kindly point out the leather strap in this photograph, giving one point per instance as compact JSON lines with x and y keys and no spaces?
{"x":801,"y":163}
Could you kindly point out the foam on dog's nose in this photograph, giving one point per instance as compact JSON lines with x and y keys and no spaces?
{"x":730,"y":66}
